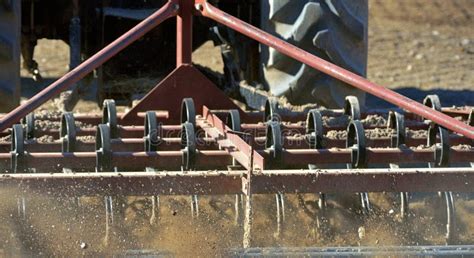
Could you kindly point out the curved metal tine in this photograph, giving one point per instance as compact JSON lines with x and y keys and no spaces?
{"x":238,"y":207}
{"x":356,"y":141}
{"x":271,"y":111}
{"x":21,"y":204}
{"x":17,"y":163}
{"x":188,"y":122}
{"x":29,"y":125}
{"x":234,"y":123}
{"x":109,"y":218}
{"x":194,"y":206}
{"x":442,"y":160}
{"x":442,"y":150}
{"x":151,"y":140}
{"x":155,"y":209}
{"x":315,"y":135}
{"x":352,"y":108}
{"x":280,"y":202}
{"x":396,"y":122}
{"x":104,"y":163}
{"x":67,"y":135}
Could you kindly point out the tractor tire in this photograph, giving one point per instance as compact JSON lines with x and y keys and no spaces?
{"x":10,"y":36}
{"x":335,"y":30}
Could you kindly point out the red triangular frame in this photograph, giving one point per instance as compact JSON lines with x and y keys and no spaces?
{"x":184,"y":82}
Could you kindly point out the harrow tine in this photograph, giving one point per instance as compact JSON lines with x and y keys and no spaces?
{"x":29,"y":125}
{"x":352,"y":107}
{"x":194,"y":206}
{"x":280,"y":204}
{"x":442,"y":157}
{"x":273,"y":143}
{"x":356,"y":142}
{"x":188,"y":144}
{"x":396,"y":122}
{"x":188,"y":112}
{"x":109,"y":117}
{"x":271,"y":111}
{"x":234,"y":123}
{"x":238,"y":207}
{"x":103,"y":164}
{"x":109,"y":218}
{"x":315,"y":138}
{"x":152,"y":140}
{"x":155,"y":209}
{"x":67,"y":134}
{"x":21,"y":203}
{"x":17,"y":154}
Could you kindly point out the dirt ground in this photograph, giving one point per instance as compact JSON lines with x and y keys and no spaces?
{"x":415,"y":47}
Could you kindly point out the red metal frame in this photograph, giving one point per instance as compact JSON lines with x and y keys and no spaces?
{"x":230,"y":182}
{"x":238,"y":162}
{"x":184,"y":10}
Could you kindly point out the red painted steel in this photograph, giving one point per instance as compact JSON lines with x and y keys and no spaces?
{"x":184,"y":33}
{"x":184,"y":82}
{"x":230,"y":182}
{"x":86,"y":161}
{"x":337,"y":72}
{"x":170,"y":9}
{"x":233,"y":143}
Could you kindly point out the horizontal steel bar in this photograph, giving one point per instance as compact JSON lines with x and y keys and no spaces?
{"x":94,"y":119}
{"x":209,"y":11}
{"x":135,"y":161}
{"x":136,"y":131}
{"x":225,"y":182}
{"x":125,"y":144}
{"x":170,"y":144}
{"x":300,"y":158}
{"x":172,"y":160}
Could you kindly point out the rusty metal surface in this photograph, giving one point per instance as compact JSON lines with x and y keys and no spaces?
{"x":225,"y":182}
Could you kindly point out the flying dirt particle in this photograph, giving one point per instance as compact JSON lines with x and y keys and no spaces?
{"x":174,"y":212}
{"x":361,"y":232}
{"x":83,"y":245}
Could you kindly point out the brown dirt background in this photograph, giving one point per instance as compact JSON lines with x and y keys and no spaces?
{"x":425,"y":44}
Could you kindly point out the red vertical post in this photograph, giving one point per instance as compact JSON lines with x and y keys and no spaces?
{"x":184,"y":32}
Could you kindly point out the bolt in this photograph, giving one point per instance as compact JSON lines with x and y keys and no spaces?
{"x":199,"y":7}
